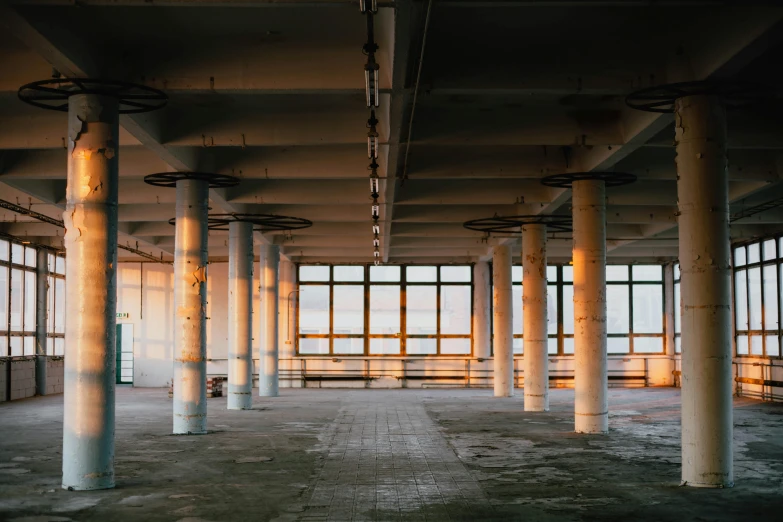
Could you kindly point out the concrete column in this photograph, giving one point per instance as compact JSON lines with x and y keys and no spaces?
{"x":190,"y":303}
{"x":705,"y":275}
{"x":285,"y":319}
{"x":41,"y":295}
{"x":589,"y":258}
{"x":534,"y":311}
{"x":268,"y":379}
{"x":482,"y":338}
{"x":503,"y":322}
{"x":91,"y":292}
{"x":240,"y":316}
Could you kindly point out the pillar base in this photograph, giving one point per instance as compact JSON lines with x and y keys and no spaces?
{"x":591,"y":423}
{"x":536,"y":403}
{"x":686,"y":483}
{"x":239,"y":401}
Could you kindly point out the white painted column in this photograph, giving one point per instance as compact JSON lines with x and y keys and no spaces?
{"x":534,"y":311}
{"x":268,"y":379}
{"x":482,"y":337}
{"x":705,"y":275}
{"x":91,"y":292}
{"x":285,"y":342}
{"x":190,"y":304}
{"x":240,"y":316}
{"x":503,"y":356}
{"x":589,"y":258}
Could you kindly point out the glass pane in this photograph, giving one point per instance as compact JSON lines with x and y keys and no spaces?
{"x":741,"y":299}
{"x":551,"y":346}
{"x":773,"y":346}
{"x":385,"y":309}
{"x":348,"y":309}
{"x":314,"y":346}
{"x":314,"y":273}
{"x":568,"y":273}
{"x":50,"y":263}
{"x":16,"y":300}
{"x":59,"y":346}
{"x":755,"y":345}
{"x":50,"y":346}
{"x":422,"y":310}
{"x":4,"y":346}
{"x":313,"y":309}
{"x":617,"y":272}
{"x":770,"y":249}
{"x":29,"y":345}
{"x":739,"y":256}
{"x":617,"y":313}
{"x":618,"y":345}
{"x":17,"y":254}
{"x":551,"y":274}
{"x":49,"y":304}
{"x":568,"y":309}
{"x":551,"y":312}
{"x":455,"y":346}
{"x":17,"y":350}
{"x":770,"y":274}
{"x":518,"y":345}
{"x":60,"y":268}
{"x":754,"y":253}
{"x":677,"y":345}
{"x":754,"y":293}
{"x":3,"y":251}
{"x":385,"y":274}
{"x":414,"y":346}
{"x":349,"y":273}
{"x":516,"y":274}
{"x":648,"y":308}
{"x":648,"y":345}
{"x":29,"y":301}
{"x":29,"y":256}
{"x":350,"y":346}
{"x":647,"y":272}
{"x":3,"y":300}
{"x":455,"y":274}
{"x":455,"y":309}
{"x":678,"y":309}
{"x":385,"y":346}
{"x":568,"y":345}
{"x":421,"y":274}
{"x":59,"y":307}
{"x":517,"y":318}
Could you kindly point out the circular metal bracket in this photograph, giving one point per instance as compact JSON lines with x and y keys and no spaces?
{"x":512,"y":224}
{"x":260,"y":222}
{"x":610,"y":179}
{"x":53,"y":94}
{"x":169,"y":179}
{"x":661,"y":98}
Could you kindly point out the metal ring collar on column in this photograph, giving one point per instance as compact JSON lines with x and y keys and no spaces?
{"x":53,"y":94}
{"x":734,"y":94}
{"x":260,"y":222}
{"x":169,"y":179}
{"x":512,"y":224}
{"x":610,"y":179}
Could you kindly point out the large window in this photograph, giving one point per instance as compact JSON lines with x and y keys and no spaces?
{"x":55,"y":298}
{"x":384,"y":310}
{"x":757,"y":296}
{"x":634,"y":307}
{"x":677,"y":311}
{"x":17,"y":299}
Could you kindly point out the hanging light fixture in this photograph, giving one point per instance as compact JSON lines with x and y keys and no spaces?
{"x":372,"y":5}
{"x":372,"y":136}
{"x":371,"y":73}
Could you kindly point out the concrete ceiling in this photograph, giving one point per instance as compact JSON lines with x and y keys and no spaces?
{"x":272,"y":92}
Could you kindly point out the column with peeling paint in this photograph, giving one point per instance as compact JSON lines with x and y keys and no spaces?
{"x":534,"y":312}
{"x":91,"y":293}
{"x":482,"y":338}
{"x":591,"y":391}
{"x":190,"y":303}
{"x":268,"y":379}
{"x":705,"y":268}
{"x":503,"y":356}
{"x":240,"y":312}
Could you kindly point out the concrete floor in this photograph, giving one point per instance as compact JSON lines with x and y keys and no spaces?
{"x":391,"y":455}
